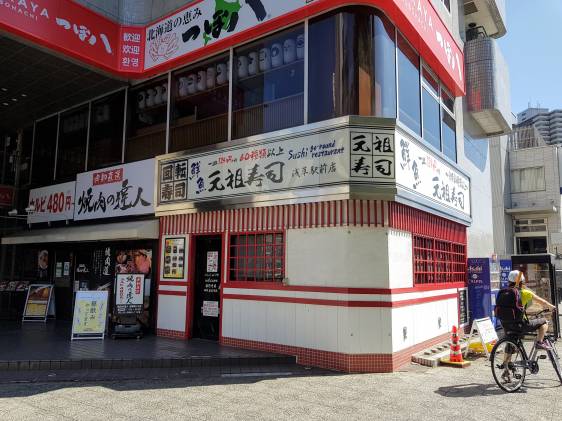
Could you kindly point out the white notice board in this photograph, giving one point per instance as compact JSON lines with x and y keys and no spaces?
{"x":484,"y":329}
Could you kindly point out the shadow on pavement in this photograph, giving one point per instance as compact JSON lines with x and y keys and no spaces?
{"x":471,"y":390}
{"x":145,"y":379}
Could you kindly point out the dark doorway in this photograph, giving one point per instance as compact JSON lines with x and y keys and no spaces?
{"x":208,"y":269}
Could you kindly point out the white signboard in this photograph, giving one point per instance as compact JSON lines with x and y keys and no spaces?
{"x":485,"y":330}
{"x":129,"y":293}
{"x":90,"y":315}
{"x":212,"y":261}
{"x":210,"y":309}
{"x":206,"y":22}
{"x":123,"y":190}
{"x":424,"y":173}
{"x":315,"y":160}
{"x":52,"y":203}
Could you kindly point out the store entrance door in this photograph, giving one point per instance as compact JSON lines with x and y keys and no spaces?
{"x":208,"y":268}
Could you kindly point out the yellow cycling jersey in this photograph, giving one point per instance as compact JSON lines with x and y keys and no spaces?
{"x":526,"y":297}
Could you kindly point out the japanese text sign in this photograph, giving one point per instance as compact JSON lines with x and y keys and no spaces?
{"x":122,"y":190}
{"x":66,"y":26}
{"x":52,"y":203}
{"x":129,"y":293}
{"x":90,"y":311}
{"x":208,"y":21}
{"x":425,"y":174}
{"x":314,"y":160}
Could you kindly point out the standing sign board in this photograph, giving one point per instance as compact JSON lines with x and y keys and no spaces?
{"x":52,"y":203}
{"x":479,"y":288}
{"x":484,"y":329}
{"x":38,"y":303}
{"x":90,"y":314}
{"x":129,"y":293}
{"x":123,"y":190}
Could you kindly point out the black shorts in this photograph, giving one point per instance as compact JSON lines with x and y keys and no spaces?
{"x":523,"y":327}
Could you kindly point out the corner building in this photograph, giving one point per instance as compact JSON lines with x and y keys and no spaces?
{"x":311,"y":184}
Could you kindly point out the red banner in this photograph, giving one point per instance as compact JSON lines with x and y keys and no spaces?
{"x":6,"y":197}
{"x":81,"y":33}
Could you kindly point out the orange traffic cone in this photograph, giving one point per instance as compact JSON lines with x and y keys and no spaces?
{"x":456,"y":354}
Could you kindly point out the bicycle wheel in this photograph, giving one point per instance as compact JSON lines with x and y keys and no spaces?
{"x":509,"y":365}
{"x":555,"y":360}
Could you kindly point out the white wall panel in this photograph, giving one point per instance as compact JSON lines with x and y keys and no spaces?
{"x":338,"y":257}
{"x":348,"y":330}
{"x":422,"y":323}
{"x":171,"y":312}
{"x":401,"y":271}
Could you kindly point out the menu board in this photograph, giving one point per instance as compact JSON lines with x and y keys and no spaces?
{"x":102,"y":267}
{"x":37,"y":302}
{"x":129,"y":293}
{"x":90,"y":314}
{"x":174,"y":258}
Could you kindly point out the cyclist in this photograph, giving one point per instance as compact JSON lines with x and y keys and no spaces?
{"x":517,"y":280}
{"x":510,"y":309}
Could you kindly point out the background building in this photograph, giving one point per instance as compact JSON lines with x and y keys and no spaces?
{"x":527,"y":201}
{"x":548,"y":123}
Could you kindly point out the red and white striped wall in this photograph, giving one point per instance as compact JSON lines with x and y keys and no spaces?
{"x":307,"y":215}
{"x":348,"y":301}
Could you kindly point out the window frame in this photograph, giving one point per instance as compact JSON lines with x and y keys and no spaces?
{"x":420,"y":65}
{"x":447,"y":8}
{"x":437,"y":270}
{"x":523,"y":169}
{"x":266,"y":41}
{"x":443,"y":108}
{"x":262,"y":282}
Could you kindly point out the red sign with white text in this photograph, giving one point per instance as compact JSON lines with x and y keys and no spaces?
{"x":433,"y":38}
{"x":81,"y":33}
{"x":6,"y":196}
{"x":107,"y":177}
{"x":66,"y":26}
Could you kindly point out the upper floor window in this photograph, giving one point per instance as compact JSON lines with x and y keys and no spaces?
{"x":146,"y":126}
{"x":44,"y":147}
{"x":409,"y":86}
{"x":199,"y":113}
{"x":530,"y":225}
{"x":268,"y":79}
{"x":352,"y":66}
{"x":528,"y":180}
{"x":431,"y":110}
{"x":71,"y":145}
{"x":105,"y":146}
{"x":447,"y":4}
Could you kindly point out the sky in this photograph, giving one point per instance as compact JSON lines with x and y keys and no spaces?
{"x":533,"y":50}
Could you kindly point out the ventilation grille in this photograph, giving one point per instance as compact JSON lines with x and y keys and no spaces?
{"x":470,"y":8}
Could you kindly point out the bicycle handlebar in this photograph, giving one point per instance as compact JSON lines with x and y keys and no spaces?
{"x":540,"y":313}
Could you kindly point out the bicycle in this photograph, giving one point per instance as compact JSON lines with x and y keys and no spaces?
{"x":510,"y":360}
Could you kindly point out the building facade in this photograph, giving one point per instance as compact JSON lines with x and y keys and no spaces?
{"x":527,"y":194}
{"x":548,"y":123}
{"x":302,"y":178}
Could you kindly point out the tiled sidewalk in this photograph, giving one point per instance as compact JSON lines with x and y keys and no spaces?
{"x":35,"y":346}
